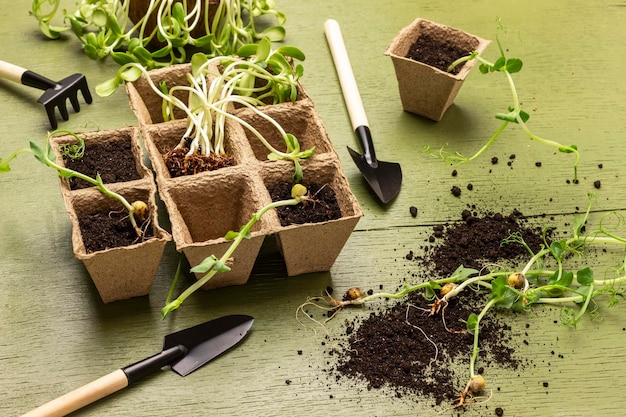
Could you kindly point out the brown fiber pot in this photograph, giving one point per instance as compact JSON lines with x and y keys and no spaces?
{"x":426,"y":90}
{"x":123,"y":272}
{"x":203,"y":207}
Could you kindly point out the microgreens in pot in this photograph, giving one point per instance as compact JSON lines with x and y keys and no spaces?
{"x":212,"y":265}
{"x":138,"y":211}
{"x":519,"y":290}
{"x":104,"y":29}
{"x":515,"y":114}
{"x":233,"y":82}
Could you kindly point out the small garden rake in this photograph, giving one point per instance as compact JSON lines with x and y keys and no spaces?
{"x":55,"y":93}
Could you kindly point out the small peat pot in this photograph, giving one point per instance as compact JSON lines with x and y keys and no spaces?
{"x":311,"y":235}
{"x":115,"y":155}
{"x":121,"y":264}
{"x":203,"y":209}
{"x":426,"y":87}
{"x":163,"y":138}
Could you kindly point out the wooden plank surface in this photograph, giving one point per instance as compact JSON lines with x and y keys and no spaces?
{"x":56,"y":335}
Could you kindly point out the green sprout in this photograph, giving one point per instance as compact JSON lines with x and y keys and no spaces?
{"x":233,"y":82}
{"x":137,"y":210}
{"x":515,"y":114}
{"x":212,"y":265}
{"x":104,"y":28}
{"x":518,"y":290}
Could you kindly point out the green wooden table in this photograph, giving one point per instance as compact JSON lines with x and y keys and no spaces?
{"x":56,"y":334}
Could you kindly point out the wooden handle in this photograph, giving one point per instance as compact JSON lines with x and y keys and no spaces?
{"x":349,"y":87}
{"x":11,"y":72}
{"x":82,"y":396}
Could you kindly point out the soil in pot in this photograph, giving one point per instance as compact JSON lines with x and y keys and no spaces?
{"x":430,"y":51}
{"x":101,"y":231}
{"x":179,"y":164}
{"x":395,"y":347}
{"x":114,"y":161}
{"x":324,"y":207}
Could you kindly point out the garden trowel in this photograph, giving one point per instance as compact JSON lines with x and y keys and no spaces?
{"x":383,"y":177}
{"x":184,"y":351}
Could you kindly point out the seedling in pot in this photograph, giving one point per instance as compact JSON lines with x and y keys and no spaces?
{"x":515,"y":114}
{"x":519,"y":289}
{"x":103,"y":27}
{"x":209,"y":103}
{"x":212,"y":265}
{"x":138,"y":211}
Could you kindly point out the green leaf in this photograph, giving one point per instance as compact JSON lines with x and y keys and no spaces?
{"x":264,"y":50}
{"x":568,"y":150}
{"x":108,"y":87}
{"x":297,"y":172}
{"x":133,"y":73}
{"x":585,"y":276}
{"x":472,"y":323}
{"x":197,"y":61}
{"x":247,"y":50}
{"x":484,"y":68}
{"x":210,"y":263}
{"x":499,"y":64}
{"x":114,"y":25}
{"x":274,"y":34}
{"x":462,"y":273}
{"x":178,"y":13}
{"x":99,"y":17}
{"x":524,"y":116}
{"x":557,"y":249}
{"x":38,"y":152}
{"x":504,"y":295}
{"x":513,"y":65}
{"x":292,"y":51}
{"x":122,"y":58}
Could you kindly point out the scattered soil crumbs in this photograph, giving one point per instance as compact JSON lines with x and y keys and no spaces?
{"x":436,"y":54}
{"x":102,"y":231}
{"x":179,"y":164}
{"x":114,"y":161}
{"x":395,"y":348}
{"x":324,"y":207}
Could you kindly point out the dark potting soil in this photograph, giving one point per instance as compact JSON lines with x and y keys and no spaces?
{"x":324,"y":207}
{"x":178,"y":164}
{"x":114,"y":161}
{"x":102,"y":231}
{"x":395,"y":347}
{"x":436,"y":54}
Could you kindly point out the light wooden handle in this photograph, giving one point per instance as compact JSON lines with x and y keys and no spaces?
{"x":11,"y":72}
{"x":349,"y":87}
{"x":82,"y":396}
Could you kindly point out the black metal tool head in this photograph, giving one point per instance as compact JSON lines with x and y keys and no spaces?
{"x":207,"y":341}
{"x":56,"y":96}
{"x":384,"y":178}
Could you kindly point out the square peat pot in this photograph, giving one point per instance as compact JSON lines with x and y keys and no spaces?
{"x":115,"y":149}
{"x":314,"y":247}
{"x":118,"y":272}
{"x":146,"y":104}
{"x":161,"y":138}
{"x":203,"y":209}
{"x":426,"y":90}
{"x":301,"y":119}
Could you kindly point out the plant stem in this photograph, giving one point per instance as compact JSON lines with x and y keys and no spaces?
{"x":476,"y":349}
{"x":241,"y":235}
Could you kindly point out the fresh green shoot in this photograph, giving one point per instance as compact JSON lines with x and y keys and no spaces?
{"x":520,"y":289}
{"x":515,"y":113}
{"x":104,"y":28}
{"x":212,"y":265}
{"x":137,"y":210}
{"x":233,"y":82}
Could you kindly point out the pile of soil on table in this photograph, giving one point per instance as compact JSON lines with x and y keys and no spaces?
{"x":114,"y":161}
{"x":395,"y":347}
{"x":436,"y":54}
{"x":324,"y":206}
{"x":101,"y":231}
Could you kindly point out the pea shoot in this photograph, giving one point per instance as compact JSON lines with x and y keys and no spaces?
{"x":519,"y":289}
{"x":515,"y":114}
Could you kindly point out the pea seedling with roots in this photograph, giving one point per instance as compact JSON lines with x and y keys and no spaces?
{"x":529,"y":286}
{"x":233,"y":82}
{"x":515,"y":114}
{"x":137,"y":210}
{"x":211,"y":265}
{"x":103,"y":27}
